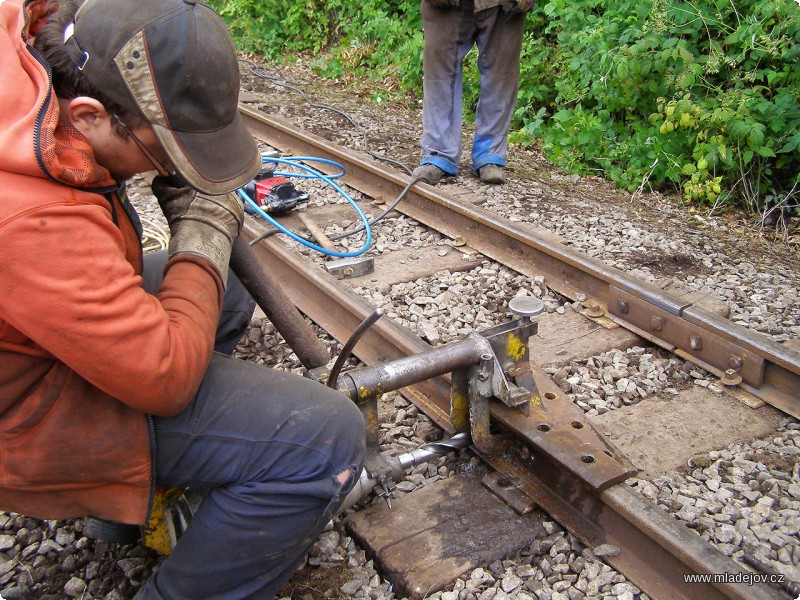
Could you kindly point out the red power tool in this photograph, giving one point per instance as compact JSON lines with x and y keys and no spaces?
{"x":273,"y":194}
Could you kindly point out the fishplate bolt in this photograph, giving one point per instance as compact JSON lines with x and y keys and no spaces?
{"x":622,"y":305}
{"x":696,"y":342}
{"x":735,"y":363}
{"x":731,"y":378}
{"x":594,"y":310}
{"x":656,"y":323}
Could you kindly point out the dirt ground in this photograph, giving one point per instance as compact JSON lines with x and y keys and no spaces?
{"x":312,"y":584}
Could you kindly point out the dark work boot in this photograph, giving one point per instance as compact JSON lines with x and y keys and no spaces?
{"x":111,"y":531}
{"x":430,"y":173}
{"x":491,"y":174}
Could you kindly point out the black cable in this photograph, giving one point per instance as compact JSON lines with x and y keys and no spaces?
{"x":389,"y":209}
{"x":347,"y":349}
{"x":264,"y":236}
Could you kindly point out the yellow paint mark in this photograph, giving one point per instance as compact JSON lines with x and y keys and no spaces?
{"x":158,"y":532}
{"x":460,"y":411}
{"x":365,"y":393}
{"x":515,"y":347}
{"x":536,"y":400}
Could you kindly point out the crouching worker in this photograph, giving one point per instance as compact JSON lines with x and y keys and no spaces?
{"x":115,"y":374}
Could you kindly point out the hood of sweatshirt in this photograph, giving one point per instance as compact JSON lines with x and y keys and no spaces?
{"x":34,"y":140}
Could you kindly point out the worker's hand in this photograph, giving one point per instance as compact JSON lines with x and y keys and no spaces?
{"x":199,"y":224}
{"x":443,"y":3}
{"x":518,"y":6}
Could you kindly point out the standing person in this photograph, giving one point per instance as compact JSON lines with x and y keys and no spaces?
{"x":451,"y":27}
{"x":115,"y":374}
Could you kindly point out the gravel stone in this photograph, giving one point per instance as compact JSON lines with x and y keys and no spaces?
{"x":75,"y":587}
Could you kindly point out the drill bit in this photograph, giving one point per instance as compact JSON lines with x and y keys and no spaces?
{"x":430,"y":451}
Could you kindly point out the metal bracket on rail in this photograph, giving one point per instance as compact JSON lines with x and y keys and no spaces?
{"x":475,"y":386}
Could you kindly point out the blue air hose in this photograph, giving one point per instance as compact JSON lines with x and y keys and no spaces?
{"x":310,"y":173}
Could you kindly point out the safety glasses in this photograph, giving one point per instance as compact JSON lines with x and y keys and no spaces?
{"x":166,"y":170}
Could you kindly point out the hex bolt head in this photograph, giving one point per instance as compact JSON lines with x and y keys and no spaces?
{"x":594,"y":310}
{"x":622,"y":306}
{"x":696,"y":342}
{"x":731,"y":377}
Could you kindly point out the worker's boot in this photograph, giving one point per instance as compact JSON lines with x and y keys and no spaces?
{"x":111,"y":531}
{"x":430,"y":173}
{"x":491,"y":174}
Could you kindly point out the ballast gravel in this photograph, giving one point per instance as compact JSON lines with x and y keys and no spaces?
{"x":745,"y":498}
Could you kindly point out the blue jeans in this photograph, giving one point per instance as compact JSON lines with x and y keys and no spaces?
{"x":449,"y":34}
{"x":269,"y":447}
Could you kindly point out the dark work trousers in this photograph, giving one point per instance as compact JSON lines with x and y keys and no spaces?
{"x":269,"y":446}
{"x":449,"y":34}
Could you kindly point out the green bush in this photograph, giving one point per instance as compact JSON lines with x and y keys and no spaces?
{"x":378,"y":39}
{"x":699,"y":96}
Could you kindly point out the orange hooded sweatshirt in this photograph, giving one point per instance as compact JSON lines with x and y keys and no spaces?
{"x":85,"y":353}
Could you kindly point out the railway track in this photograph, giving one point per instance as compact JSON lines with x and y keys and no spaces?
{"x":584,"y":494}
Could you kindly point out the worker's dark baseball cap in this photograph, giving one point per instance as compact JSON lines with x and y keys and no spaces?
{"x":173,"y":62}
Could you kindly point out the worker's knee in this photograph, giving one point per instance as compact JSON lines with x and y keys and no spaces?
{"x":344,"y":477}
{"x":346,"y":426}
{"x":345,"y":417}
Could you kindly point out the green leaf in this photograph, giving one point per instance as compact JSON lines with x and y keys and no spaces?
{"x":792,"y":144}
{"x":756,"y":137}
{"x":563,"y":116}
{"x":740,"y":129}
{"x":765,"y":152}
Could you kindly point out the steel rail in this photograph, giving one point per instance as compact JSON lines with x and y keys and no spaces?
{"x":767,"y":369}
{"x":655,"y":550}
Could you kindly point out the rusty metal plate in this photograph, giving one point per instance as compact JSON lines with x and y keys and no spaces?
{"x":355,"y":266}
{"x":560,"y":429}
{"x":656,"y":550}
{"x":707,"y":346}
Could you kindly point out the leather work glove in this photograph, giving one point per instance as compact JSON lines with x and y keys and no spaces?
{"x":199,"y":224}
{"x":443,"y":3}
